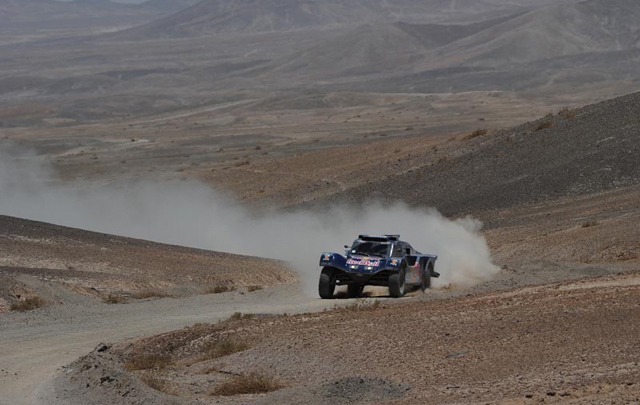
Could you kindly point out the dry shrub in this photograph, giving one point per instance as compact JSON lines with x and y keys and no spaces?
{"x":544,"y":125}
{"x":253,"y":288}
{"x":113,"y":299}
{"x":157,"y":383}
{"x":590,"y":223}
{"x":148,"y":362}
{"x":243,"y":163}
{"x":209,"y":370}
{"x":252,"y":383}
{"x":215,"y":349}
{"x":567,"y":113}
{"x":220,"y":289}
{"x":151,"y":294}
{"x":475,"y":134}
{"x":28,"y":304}
{"x":237,"y":316}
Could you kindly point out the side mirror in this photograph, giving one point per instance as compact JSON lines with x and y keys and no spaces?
{"x":347,"y":247}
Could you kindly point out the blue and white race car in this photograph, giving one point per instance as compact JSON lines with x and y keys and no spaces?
{"x":379,"y":261}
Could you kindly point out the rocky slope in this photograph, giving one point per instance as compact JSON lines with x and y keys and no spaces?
{"x":574,"y":152}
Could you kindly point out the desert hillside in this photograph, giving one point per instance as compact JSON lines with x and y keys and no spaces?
{"x":104,"y":265}
{"x":172,"y":171}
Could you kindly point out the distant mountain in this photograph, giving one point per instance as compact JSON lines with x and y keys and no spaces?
{"x":32,"y":15}
{"x":436,"y":35}
{"x":258,"y":16}
{"x":254,"y":16}
{"x":376,"y":48}
{"x":371,"y":48}
{"x":168,"y":6}
{"x":556,"y":31}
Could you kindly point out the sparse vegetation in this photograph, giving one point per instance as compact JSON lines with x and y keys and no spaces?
{"x":151,"y":294}
{"x":237,"y":316}
{"x":148,"y":362}
{"x":589,"y":223}
{"x":28,"y":304}
{"x":113,"y":299}
{"x":242,"y":163}
{"x":209,"y":370}
{"x":475,"y":134}
{"x":252,"y":383}
{"x":157,"y":383}
{"x":544,"y":125}
{"x":221,"y":288}
{"x":567,"y":113}
{"x":215,"y":349}
{"x":253,"y":288}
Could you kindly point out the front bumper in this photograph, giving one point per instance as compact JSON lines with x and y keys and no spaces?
{"x":376,"y":277}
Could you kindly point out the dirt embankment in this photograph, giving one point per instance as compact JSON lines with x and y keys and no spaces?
{"x":95,"y":263}
{"x":573,"y":341}
{"x":597,"y":230}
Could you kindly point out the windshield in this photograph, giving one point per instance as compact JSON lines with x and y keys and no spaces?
{"x":370,"y":248}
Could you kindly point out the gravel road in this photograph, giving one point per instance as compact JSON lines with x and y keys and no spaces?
{"x":33,"y":346}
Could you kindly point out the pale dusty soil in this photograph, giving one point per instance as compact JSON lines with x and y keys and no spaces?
{"x":35,"y":345}
{"x":598,"y":230}
{"x":101,"y":264}
{"x":572,"y":341}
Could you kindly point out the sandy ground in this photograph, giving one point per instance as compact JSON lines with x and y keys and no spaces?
{"x":562,"y":342}
{"x":98,"y":264}
{"x":35,"y":345}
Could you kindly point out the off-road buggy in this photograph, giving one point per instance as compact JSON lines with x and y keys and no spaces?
{"x":379,"y":261}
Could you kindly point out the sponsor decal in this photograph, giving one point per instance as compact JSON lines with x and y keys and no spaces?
{"x":364,"y":262}
{"x":326,"y":257}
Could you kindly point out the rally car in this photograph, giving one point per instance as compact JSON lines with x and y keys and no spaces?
{"x":376,"y":260}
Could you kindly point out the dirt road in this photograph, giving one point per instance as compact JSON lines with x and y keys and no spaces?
{"x":34,"y":345}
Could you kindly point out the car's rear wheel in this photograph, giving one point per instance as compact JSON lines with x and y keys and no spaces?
{"x":397,"y":285}
{"x":327,"y":284}
{"x":354,"y":290}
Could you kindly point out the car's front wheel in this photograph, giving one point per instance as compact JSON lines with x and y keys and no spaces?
{"x":397,"y":285}
{"x":426,"y":279}
{"x":354,"y":290}
{"x":327,"y":284}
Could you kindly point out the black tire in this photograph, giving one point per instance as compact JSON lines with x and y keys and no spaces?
{"x":327,"y":284}
{"x":354,"y":290}
{"x":426,"y":280}
{"x":397,"y":287}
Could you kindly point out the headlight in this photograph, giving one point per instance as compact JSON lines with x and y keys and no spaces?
{"x":369,"y":268}
{"x":353,"y":266}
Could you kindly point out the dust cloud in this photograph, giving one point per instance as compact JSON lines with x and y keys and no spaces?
{"x":192,"y":214}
